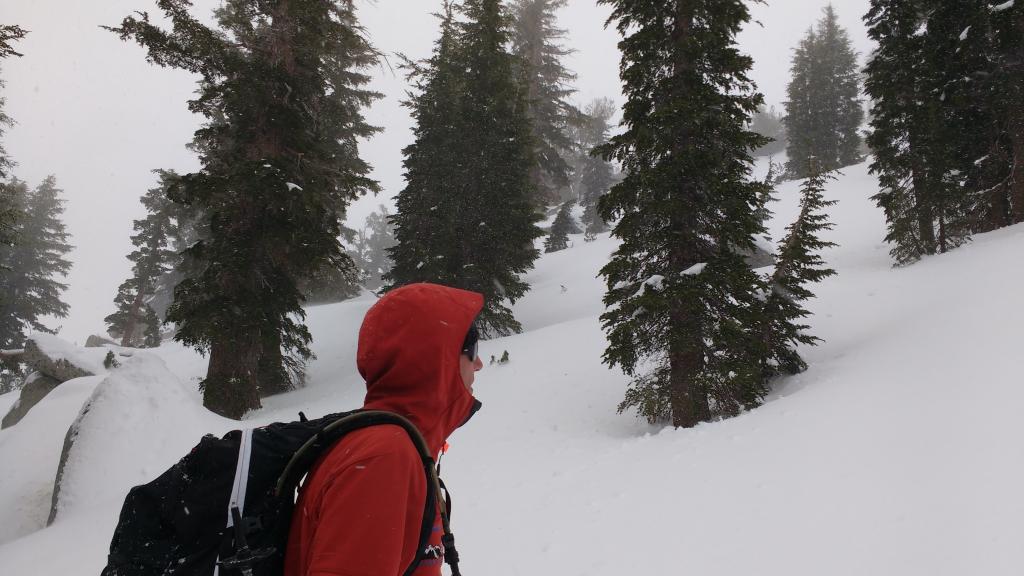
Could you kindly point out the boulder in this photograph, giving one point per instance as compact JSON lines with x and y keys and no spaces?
{"x":56,"y":366}
{"x":36,"y":387}
{"x":53,"y":362}
{"x":95,"y":341}
{"x":69,"y":444}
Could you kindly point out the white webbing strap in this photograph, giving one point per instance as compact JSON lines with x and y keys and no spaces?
{"x":240,"y":484}
{"x":241,"y":475}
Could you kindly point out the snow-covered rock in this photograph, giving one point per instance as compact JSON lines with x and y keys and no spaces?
{"x":62,"y":360}
{"x":97,"y":341}
{"x":36,"y":387}
{"x":54,"y":361}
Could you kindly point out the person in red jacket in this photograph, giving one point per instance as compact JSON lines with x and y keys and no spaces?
{"x":361,"y":510}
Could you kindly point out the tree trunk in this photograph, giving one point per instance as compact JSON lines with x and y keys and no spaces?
{"x":272,"y":376}
{"x":687,"y":398}
{"x":231,"y":387}
{"x":923,"y":204}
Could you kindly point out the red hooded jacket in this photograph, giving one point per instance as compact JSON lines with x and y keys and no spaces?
{"x":361,"y":509}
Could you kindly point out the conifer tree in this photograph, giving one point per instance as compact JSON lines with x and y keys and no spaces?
{"x":823,"y":108}
{"x":187,"y":228}
{"x":9,"y":207}
{"x":894,"y":81}
{"x":29,"y":291}
{"x":465,"y":217}
{"x":563,"y":225}
{"x":11,"y":196}
{"x":370,"y":249}
{"x":769,"y":123}
{"x":10,"y":216}
{"x":135,"y":321}
{"x":926,"y":125}
{"x":331,"y":284}
{"x":8,"y":35}
{"x":594,"y":175}
{"x":536,"y":42}
{"x":956,"y":127}
{"x":799,"y":263}
{"x":282,"y":88}
{"x":682,"y":304}
{"x":1007,"y":92}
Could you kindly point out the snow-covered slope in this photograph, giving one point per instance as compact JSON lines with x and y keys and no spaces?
{"x":897,"y":452}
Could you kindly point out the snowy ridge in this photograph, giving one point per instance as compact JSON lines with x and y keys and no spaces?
{"x":896,"y":453}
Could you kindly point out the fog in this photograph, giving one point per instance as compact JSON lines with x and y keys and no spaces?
{"x":89,"y":109}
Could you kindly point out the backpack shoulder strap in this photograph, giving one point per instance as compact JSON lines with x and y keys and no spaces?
{"x":334,"y":431}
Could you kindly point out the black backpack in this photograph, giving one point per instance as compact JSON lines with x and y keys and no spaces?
{"x":225,"y":508}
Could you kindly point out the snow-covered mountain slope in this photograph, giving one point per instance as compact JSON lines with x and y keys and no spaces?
{"x":898,"y":452}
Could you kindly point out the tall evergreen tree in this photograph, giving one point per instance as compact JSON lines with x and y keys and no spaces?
{"x":1007,"y":69}
{"x":9,"y":208}
{"x":956,"y":125}
{"x":536,"y":41}
{"x":899,"y":133}
{"x":29,"y":291}
{"x":823,"y":108}
{"x":282,"y":88}
{"x":11,"y":214}
{"x":135,"y":321}
{"x":465,"y":217}
{"x":188,"y":226}
{"x":563,"y":225}
{"x":682,"y":303}
{"x":8,"y":35}
{"x":370,"y":249}
{"x":593,"y":175}
{"x":799,"y":263}
{"x":927,"y":126}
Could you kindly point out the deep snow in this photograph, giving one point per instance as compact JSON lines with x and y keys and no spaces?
{"x":897,"y":452}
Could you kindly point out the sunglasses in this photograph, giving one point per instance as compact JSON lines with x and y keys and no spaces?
{"x":471,"y":345}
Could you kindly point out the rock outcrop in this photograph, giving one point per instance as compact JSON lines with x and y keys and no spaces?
{"x":36,"y":387}
{"x":53,"y":362}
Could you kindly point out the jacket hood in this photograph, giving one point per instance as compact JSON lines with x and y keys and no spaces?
{"x":409,"y":346}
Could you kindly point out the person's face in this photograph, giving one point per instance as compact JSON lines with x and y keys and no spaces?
{"x":468,"y":370}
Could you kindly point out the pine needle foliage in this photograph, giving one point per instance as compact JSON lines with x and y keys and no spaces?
{"x":29,"y":289}
{"x":465,"y":217}
{"x":682,"y":303}
{"x":799,"y":263}
{"x":537,"y":44}
{"x":370,"y":246}
{"x":947,"y":135}
{"x":594,"y":176}
{"x":282,"y":86}
{"x":135,"y":321}
{"x":558,"y":238}
{"x":823,"y":107}
{"x":10,"y":211}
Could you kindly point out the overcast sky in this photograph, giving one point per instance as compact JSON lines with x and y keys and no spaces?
{"x":91,"y":111}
